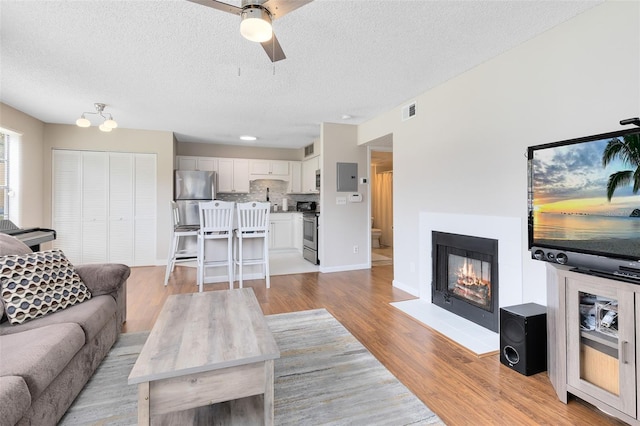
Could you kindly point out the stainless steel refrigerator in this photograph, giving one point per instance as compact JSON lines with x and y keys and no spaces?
{"x":190,"y":188}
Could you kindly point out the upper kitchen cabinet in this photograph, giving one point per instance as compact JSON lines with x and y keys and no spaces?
{"x":208,"y":164}
{"x":233,"y":175}
{"x":273,"y":169}
{"x":295,"y":177}
{"x":309,"y":169}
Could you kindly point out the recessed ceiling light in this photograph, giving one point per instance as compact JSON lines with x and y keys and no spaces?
{"x":248,"y":138}
{"x":346,"y":116}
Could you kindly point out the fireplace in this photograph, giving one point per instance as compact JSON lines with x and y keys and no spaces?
{"x":465,"y":277}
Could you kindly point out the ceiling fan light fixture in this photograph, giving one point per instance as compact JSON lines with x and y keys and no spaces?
{"x":256,"y":24}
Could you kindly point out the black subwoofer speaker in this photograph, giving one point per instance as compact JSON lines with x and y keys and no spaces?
{"x":523,"y":338}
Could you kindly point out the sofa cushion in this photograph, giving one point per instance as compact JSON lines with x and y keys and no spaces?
{"x":36,"y":284}
{"x":91,"y":315}
{"x":39,"y":355}
{"x":103,"y":278}
{"x":15,"y":398}
{"x":11,"y":245}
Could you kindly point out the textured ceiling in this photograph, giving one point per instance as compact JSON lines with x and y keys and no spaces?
{"x":182,"y":67}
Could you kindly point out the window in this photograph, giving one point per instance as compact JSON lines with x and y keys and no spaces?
{"x":4,"y":176}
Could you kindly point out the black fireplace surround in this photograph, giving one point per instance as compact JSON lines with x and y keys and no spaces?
{"x":474,"y":298}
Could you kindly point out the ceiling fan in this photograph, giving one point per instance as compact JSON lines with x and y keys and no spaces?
{"x":256,"y":17}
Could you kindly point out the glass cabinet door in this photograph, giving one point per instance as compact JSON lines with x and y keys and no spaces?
{"x":601,"y":342}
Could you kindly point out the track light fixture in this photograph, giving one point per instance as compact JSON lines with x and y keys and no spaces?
{"x":107,"y":125}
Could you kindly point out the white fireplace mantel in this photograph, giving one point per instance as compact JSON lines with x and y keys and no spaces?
{"x":508,"y":232}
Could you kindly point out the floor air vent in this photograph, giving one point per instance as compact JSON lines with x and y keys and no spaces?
{"x":408,"y":111}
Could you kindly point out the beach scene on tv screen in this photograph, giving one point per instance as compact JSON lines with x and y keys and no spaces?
{"x":583,"y":196}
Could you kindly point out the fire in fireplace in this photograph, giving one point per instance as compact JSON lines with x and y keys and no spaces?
{"x":470,"y":279}
{"x":465,"y":277}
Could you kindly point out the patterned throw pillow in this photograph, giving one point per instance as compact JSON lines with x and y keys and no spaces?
{"x":35,"y":284}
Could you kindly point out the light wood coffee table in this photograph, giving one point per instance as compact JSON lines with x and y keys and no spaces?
{"x":205,"y":348}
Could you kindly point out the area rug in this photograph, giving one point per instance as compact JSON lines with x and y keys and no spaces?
{"x":323,"y":377}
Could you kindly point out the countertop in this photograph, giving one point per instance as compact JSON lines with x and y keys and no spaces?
{"x":293,"y":211}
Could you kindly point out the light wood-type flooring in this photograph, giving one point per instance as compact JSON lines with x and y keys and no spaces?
{"x":459,"y":387}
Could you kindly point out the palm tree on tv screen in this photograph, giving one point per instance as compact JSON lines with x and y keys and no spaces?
{"x":628,"y":151}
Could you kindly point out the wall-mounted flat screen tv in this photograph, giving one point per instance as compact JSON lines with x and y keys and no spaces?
{"x":584,"y":202}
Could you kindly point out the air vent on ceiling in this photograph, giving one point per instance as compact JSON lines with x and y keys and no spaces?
{"x":408,"y":111}
{"x":308,"y":150}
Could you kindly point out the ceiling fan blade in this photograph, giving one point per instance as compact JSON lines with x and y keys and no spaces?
{"x":219,"y":5}
{"x":273,"y":49}
{"x":279,"y":8}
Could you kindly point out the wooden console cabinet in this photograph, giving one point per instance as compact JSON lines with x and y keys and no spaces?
{"x":593,"y":339}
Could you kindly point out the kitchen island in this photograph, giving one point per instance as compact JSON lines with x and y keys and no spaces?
{"x":285,"y":236}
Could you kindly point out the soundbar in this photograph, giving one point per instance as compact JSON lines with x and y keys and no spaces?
{"x":606,"y":267}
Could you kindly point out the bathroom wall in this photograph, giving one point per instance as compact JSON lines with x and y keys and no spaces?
{"x":381,"y":178}
{"x":382,"y":204}
{"x":277,"y":191}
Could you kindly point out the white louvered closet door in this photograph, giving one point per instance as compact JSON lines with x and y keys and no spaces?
{"x":104,"y":206}
{"x":121,"y":208}
{"x":95,"y":202}
{"x":66,"y":198}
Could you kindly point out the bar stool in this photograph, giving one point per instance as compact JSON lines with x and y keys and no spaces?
{"x":216,"y":223}
{"x":179,"y":230}
{"x":253,"y":222}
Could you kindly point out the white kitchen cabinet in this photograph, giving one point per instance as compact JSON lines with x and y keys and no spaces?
{"x":309,"y":168}
{"x":281,"y":231}
{"x":295,"y":177}
{"x":209,"y":164}
{"x":269,"y":168}
{"x":186,"y":163}
{"x":298,"y":227}
{"x":233,"y":175}
{"x":279,"y":168}
{"x":96,"y":196}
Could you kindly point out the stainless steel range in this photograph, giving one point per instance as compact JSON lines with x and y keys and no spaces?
{"x":309,"y":230}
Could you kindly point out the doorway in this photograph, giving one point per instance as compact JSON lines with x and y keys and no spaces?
{"x":381,"y":207}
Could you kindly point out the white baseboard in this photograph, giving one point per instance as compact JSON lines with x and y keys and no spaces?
{"x":401,"y":286}
{"x":343,"y":268}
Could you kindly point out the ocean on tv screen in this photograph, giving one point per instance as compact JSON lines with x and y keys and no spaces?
{"x":580,"y":203}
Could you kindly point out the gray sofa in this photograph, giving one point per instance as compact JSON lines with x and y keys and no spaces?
{"x":46,"y":361}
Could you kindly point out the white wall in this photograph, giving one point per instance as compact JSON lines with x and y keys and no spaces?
{"x":342,"y":226}
{"x":233,"y":151}
{"x":464,"y":152}
{"x":62,"y":136}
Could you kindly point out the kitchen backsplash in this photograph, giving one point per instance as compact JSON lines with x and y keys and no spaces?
{"x":277,"y":191}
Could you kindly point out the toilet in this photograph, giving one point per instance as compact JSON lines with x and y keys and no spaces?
{"x":375,"y":236}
